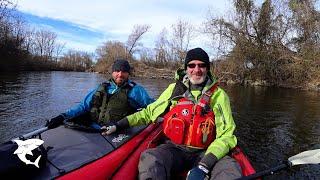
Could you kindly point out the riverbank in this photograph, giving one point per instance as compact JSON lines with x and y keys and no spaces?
{"x":144,"y":71}
{"x":310,"y":86}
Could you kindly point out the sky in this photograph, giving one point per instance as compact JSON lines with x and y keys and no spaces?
{"x":85,"y":24}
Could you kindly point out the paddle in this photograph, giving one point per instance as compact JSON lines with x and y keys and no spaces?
{"x":28,"y":135}
{"x":306,"y":157}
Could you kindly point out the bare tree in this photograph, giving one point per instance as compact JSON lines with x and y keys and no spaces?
{"x":76,"y":61}
{"x":136,"y":35}
{"x":11,"y":37}
{"x":44,"y":44}
{"x":146,"y":55}
{"x":28,"y":40}
{"x":162,"y":48}
{"x":307,"y":25}
{"x":108,"y":53}
{"x":59,"y":47}
{"x":111,"y":50}
{"x":6,"y":7}
{"x":182,"y":33}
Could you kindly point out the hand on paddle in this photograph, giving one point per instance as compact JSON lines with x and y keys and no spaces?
{"x":55,"y":122}
{"x":107,"y":130}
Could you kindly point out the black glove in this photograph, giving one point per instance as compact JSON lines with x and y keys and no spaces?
{"x":199,"y":172}
{"x":55,"y":122}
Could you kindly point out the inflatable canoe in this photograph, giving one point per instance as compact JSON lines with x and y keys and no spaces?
{"x":75,"y":154}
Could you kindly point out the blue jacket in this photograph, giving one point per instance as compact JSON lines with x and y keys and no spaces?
{"x":137,"y":96}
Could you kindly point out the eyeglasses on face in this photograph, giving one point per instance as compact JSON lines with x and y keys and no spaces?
{"x":191,"y":65}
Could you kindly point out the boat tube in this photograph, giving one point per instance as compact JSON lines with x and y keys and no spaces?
{"x":69,"y":153}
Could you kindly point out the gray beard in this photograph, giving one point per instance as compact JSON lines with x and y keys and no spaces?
{"x":201,"y":80}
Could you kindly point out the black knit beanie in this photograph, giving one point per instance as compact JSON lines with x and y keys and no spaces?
{"x":121,"y":65}
{"x":197,"y":54}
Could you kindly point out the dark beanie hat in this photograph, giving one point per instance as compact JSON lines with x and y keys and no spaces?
{"x":121,"y":65}
{"x":197,"y":54}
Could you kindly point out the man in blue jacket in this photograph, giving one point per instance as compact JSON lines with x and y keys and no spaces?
{"x":110,"y":101}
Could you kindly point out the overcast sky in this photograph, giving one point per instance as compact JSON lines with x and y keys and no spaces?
{"x":85,"y":24}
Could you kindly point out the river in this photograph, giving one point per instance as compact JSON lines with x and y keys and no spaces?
{"x":272,"y":123}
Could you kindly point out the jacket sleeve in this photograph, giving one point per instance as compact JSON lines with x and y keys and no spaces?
{"x":82,"y":107}
{"x":139,"y":98}
{"x":153,"y":110}
{"x":225,"y":126}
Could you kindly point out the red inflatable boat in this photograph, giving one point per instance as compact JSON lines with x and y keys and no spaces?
{"x":75,"y":154}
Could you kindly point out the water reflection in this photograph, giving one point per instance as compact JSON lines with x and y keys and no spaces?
{"x":154,"y":86}
{"x":272,"y":123}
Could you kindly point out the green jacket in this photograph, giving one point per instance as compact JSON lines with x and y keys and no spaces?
{"x":225,"y":126}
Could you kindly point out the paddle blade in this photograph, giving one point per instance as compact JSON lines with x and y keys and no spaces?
{"x":306,"y":157}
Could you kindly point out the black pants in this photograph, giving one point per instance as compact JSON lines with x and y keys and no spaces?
{"x":168,"y":160}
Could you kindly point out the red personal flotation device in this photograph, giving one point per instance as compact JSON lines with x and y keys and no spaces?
{"x":191,"y":124}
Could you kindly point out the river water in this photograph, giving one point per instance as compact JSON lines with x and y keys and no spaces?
{"x":272,"y":123}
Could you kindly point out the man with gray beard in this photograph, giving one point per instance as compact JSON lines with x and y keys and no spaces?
{"x":197,"y":122}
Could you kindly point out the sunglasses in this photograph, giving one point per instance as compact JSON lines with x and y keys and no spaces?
{"x":202,"y":65}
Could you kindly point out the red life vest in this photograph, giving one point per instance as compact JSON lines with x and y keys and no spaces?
{"x":191,"y":124}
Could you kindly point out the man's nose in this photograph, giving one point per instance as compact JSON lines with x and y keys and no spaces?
{"x":197,"y":68}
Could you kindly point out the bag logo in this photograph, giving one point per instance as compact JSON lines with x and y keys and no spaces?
{"x":185,"y":112}
{"x":26,"y":147}
{"x":119,"y":138}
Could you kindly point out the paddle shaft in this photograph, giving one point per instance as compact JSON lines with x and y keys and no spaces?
{"x":265,"y":172}
{"x":25,"y":136}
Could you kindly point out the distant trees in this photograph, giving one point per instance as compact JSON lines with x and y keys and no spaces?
{"x":169,"y":51}
{"x":11,"y":37}
{"x":172,"y":46}
{"x":22,"y":48}
{"x":307,"y":27}
{"x":108,"y":53}
{"x":112,"y":50}
{"x":44,"y":44}
{"x":273,"y":43}
{"x":276,"y":43}
{"x":76,"y":61}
